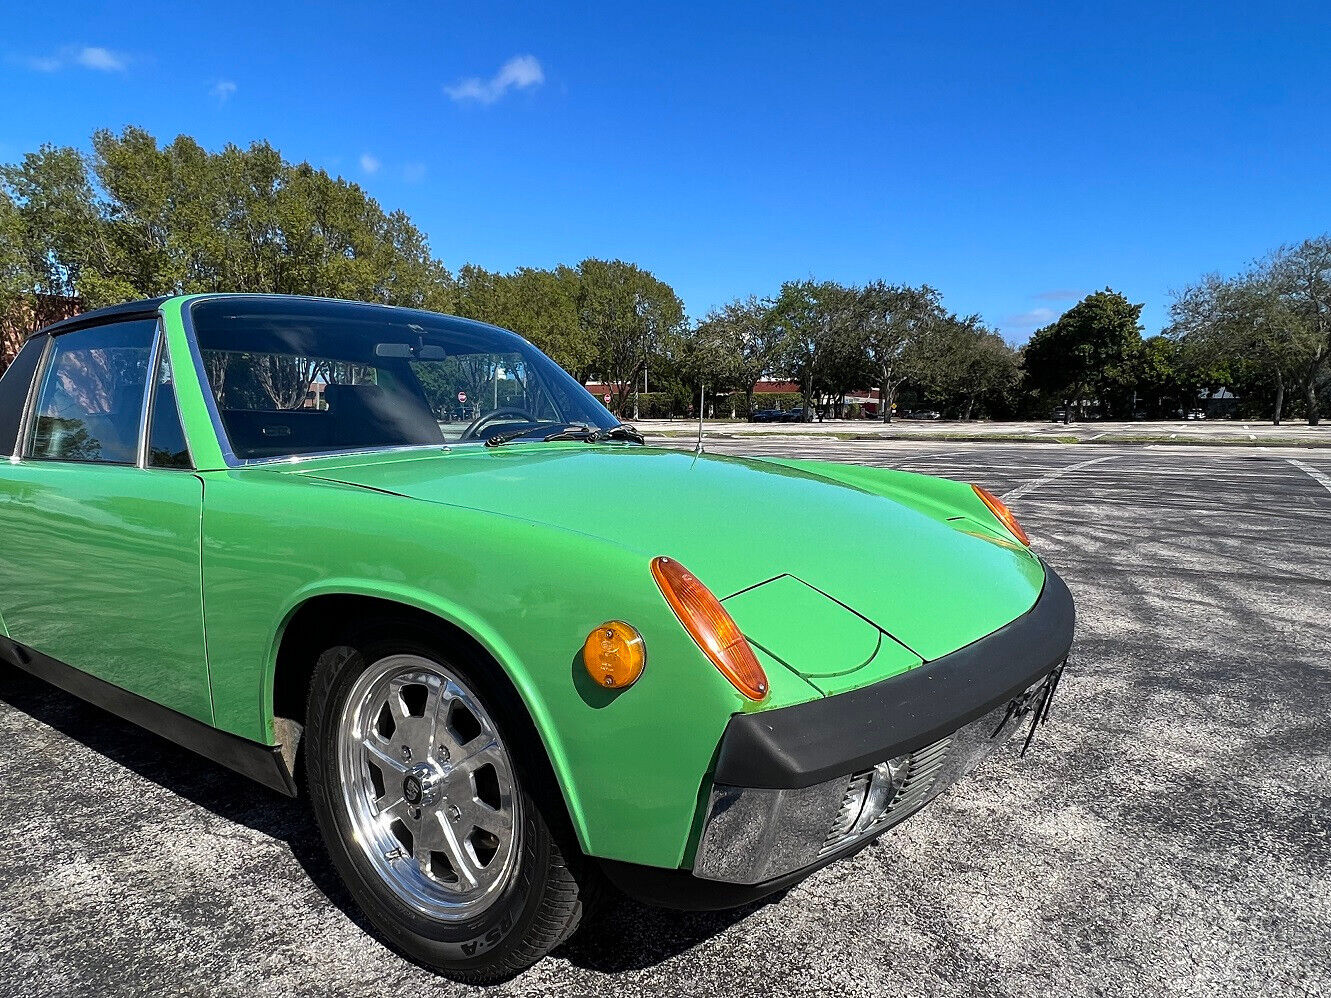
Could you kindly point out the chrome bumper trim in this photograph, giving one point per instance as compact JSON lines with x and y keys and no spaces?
{"x":753,"y":835}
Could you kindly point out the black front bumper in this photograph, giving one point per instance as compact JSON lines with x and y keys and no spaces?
{"x":793,"y":747}
{"x":782,"y":774}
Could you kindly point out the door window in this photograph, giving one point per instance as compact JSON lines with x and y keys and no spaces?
{"x":91,"y":400}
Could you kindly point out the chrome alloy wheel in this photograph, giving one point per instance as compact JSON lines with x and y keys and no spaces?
{"x":429,"y":787}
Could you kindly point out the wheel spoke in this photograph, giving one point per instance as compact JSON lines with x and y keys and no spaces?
{"x":453,"y":845}
{"x":383,"y":756}
{"x":395,"y":705}
{"x":477,"y":753}
{"x":480,"y":815}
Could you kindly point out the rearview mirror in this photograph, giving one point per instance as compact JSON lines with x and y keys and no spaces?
{"x":399,"y":351}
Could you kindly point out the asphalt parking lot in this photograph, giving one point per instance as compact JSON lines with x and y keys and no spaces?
{"x":1169,"y":834}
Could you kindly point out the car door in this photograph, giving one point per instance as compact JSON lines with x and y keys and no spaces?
{"x":100,"y":518}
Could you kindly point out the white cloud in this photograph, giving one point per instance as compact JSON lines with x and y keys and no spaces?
{"x":1026,"y":322}
{"x":520,"y":72}
{"x":413,"y":173}
{"x":96,"y":57}
{"x":1059,"y":294}
{"x":223,"y":90}
{"x":88,"y":56}
{"x":369,"y":163}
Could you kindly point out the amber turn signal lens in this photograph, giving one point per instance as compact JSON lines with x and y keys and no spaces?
{"x":1004,"y":514}
{"x":711,"y":627}
{"x":614,"y":655}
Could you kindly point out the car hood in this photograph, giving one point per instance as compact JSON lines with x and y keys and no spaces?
{"x":741,"y":525}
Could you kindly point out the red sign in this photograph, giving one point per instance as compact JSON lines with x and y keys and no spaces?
{"x":606,"y":398}
{"x":462,"y":396}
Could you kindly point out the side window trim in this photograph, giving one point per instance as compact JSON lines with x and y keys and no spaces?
{"x":25,"y":424}
{"x":149,"y":397}
{"x":161,"y":355}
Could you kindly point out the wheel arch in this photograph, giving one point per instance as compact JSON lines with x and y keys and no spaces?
{"x":329,"y":608}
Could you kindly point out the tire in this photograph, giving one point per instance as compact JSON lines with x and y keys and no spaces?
{"x":422,"y":847}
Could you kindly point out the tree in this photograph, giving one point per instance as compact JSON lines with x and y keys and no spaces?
{"x":1086,"y":351}
{"x":740,"y":344}
{"x":1158,"y":374}
{"x":816,"y":324}
{"x":133,"y":220}
{"x":1298,"y":278}
{"x":626,"y":313}
{"x":16,"y":278}
{"x":963,"y":362}
{"x":1272,"y":321}
{"x":894,"y":317}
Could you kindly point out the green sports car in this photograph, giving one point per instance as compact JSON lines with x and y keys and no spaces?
{"x":403,"y":565}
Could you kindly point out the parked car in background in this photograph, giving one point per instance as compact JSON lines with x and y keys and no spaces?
{"x":473,"y":646}
{"x":766,"y":416}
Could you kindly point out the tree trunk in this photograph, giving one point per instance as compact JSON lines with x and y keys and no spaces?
{"x":1280,"y":397}
{"x":970,"y":404}
{"x":1310,"y":393}
{"x":885,"y":395}
{"x":1067,"y":411}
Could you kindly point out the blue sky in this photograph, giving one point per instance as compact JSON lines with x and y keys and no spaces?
{"x":1012,"y":156}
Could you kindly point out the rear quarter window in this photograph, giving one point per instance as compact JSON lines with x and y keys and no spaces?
{"x":14,"y":388}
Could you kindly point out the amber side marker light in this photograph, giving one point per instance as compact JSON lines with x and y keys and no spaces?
{"x":614,"y":655}
{"x":711,"y":627}
{"x":1004,"y":514}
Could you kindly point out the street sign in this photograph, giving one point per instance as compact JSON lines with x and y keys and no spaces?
{"x":462,"y":396}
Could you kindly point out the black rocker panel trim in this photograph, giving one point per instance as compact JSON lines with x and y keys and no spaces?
{"x":262,"y":763}
{"x":793,"y":747}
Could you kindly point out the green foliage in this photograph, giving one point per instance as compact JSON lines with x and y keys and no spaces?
{"x":1269,"y":327}
{"x":898,"y":323}
{"x":818,"y":324}
{"x":962,"y":366}
{"x":1087,"y":352}
{"x":133,"y":220}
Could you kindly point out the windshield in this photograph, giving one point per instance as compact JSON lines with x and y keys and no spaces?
{"x":303,"y":376}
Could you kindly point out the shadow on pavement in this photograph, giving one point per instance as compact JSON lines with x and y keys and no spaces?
{"x":622,"y":936}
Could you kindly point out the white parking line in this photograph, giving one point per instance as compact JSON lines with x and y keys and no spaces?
{"x":1030,"y":487}
{"x":1321,"y":479}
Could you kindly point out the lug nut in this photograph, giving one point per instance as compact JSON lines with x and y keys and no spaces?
{"x":406,"y":752}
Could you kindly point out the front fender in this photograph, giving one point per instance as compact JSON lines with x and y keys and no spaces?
{"x":631,"y":764}
{"x":940,"y":499}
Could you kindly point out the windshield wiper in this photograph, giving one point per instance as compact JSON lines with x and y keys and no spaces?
{"x":621,"y":432}
{"x":573,"y":431}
